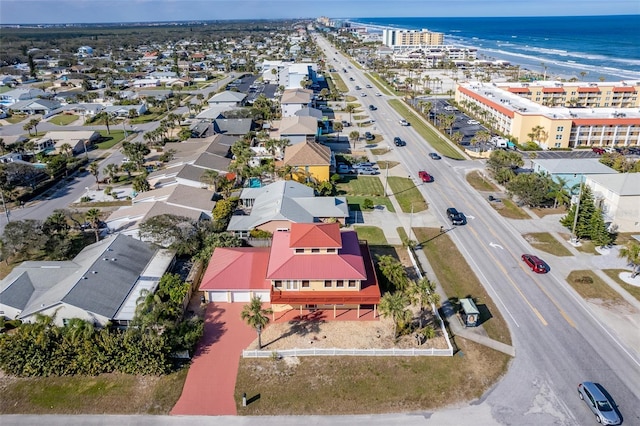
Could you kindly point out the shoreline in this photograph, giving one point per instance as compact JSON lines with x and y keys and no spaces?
{"x":531,"y":63}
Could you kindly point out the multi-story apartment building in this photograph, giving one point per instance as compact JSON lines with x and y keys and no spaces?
{"x":558,"y":115}
{"x":411,"y":38}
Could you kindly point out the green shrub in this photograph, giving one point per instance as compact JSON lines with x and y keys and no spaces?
{"x":367,"y":204}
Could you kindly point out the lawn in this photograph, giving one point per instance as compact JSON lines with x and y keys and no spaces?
{"x":381,"y":84}
{"x":590,"y":286}
{"x":478,"y":182}
{"x":407,"y":194}
{"x":509,"y":209}
{"x":103,"y":394}
{"x":384,"y":165}
{"x":15,"y":119}
{"x":63,"y":119}
{"x":110,"y":139}
{"x":372,"y":234}
{"x":436,"y":140}
{"x":459,"y":281}
{"x":339,"y":82}
{"x":145,"y":118}
{"x":366,"y":385}
{"x":547,"y":243}
{"x":356,"y":203}
{"x":545,"y":212}
{"x":631,"y":289}
{"x":382,"y":151}
{"x":360,"y":185}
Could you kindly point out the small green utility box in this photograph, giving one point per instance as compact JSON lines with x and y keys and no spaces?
{"x":470,"y":313}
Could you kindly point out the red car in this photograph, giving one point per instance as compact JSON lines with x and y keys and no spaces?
{"x":535,"y":263}
{"x":597,"y":150}
{"x":424,"y":176}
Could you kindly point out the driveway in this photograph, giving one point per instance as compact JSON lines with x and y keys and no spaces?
{"x":211,"y":380}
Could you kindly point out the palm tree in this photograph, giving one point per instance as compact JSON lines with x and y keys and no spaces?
{"x":94,"y":169}
{"x":66,"y":150}
{"x":631,"y":252}
{"x":350,"y":108}
{"x":211,"y":178}
{"x":256,"y":317}
{"x":354,"y":136}
{"x":112,"y":171}
{"x":394,"y":306}
{"x":93,"y":217}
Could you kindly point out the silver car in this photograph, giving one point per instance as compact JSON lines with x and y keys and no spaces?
{"x":598,"y":402}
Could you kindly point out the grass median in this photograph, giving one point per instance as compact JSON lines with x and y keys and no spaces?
{"x":459,"y":281}
{"x":407,"y":194}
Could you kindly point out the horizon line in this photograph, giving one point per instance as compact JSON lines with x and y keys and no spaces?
{"x":306,"y":18}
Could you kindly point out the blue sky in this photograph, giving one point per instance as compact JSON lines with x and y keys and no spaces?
{"x":90,"y":11}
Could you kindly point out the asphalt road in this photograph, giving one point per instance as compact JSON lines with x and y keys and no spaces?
{"x":559,"y":342}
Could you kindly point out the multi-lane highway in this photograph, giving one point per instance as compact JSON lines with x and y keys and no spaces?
{"x":559,"y":341}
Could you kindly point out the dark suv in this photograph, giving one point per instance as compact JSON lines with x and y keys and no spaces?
{"x":399,"y":142}
{"x":456,"y":217}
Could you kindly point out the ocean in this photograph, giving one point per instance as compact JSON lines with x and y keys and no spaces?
{"x":601,"y":46}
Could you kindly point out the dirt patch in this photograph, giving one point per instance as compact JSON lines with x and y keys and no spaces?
{"x":315,"y":333}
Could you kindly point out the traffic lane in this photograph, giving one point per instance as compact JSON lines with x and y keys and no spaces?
{"x":566,"y":340}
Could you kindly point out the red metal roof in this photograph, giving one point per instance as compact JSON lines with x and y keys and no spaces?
{"x":369,"y":294}
{"x":346,"y":264}
{"x":553,"y":90}
{"x":588,"y":90}
{"x":315,"y":235}
{"x":624,"y":89}
{"x":519,"y":90}
{"x":237,"y":268}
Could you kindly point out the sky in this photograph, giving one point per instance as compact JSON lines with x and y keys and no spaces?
{"x":96,"y":11}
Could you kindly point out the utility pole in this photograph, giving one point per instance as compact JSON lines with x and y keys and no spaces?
{"x":4,"y":206}
{"x":386,"y":178}
{"x":574,"y":238}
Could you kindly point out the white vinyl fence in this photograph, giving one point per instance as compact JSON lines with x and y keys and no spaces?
{"x":346,"y":352}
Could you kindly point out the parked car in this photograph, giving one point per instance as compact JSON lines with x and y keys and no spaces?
{"x":368,"y":136}
{"x":424,"y":176}
{"x":345,"y":123}
{"x":345,"y":169}
{"x":456,"y":217}
{"x":367,"y":171}
{"x":535,"y":263}
{"x":473,"y":122}
{"x":601,"y":406}
{"x":597,"y":150}
{"x":434,"y":156}
{"x":365,"y":165}
{"x":494,"y":199}
{"x":404,"y":122}
{"x":372,"y":107}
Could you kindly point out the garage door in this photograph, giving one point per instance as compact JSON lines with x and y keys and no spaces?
{"x":218,"y":296}
{"x":265,"y":296}
{"x":240,"y":296}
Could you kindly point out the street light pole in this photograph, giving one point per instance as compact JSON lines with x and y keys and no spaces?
{"x":386,"y":178}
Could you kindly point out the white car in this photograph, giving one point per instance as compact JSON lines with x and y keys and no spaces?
{"x":473,"y":122}
{"x":404,"y":122}
{"x":367,"y":171}
{"x":378,"y":94}
{"x":363,"y":94}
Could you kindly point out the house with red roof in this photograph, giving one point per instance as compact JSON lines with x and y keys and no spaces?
{"x":311,"y":266}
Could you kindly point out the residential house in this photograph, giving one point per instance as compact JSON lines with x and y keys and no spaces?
{"x":8,"y":80}
{"x":233,"y":126}
{"x":228,"y":98}
{"x":145,"y":82}
{"x":102,"y":284}
{"x":296,"y":129}
{"x":79,"y":140}
{"x":309,"y":161}
{"x":36,"y":106}
{"x":16,"y":95}
{"x":618,"y":195}
{"x":276,"y":206}
{"x":192,"y":158}
{"x":571,"y":170}
{"x":179,"y":200}
{"x":294,"y":100}
{"x":311,"y":266}
{"x":124,"y":110}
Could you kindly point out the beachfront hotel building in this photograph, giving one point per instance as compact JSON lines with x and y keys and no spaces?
{"x":571,"y":115}
{"x":407,"y":39}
